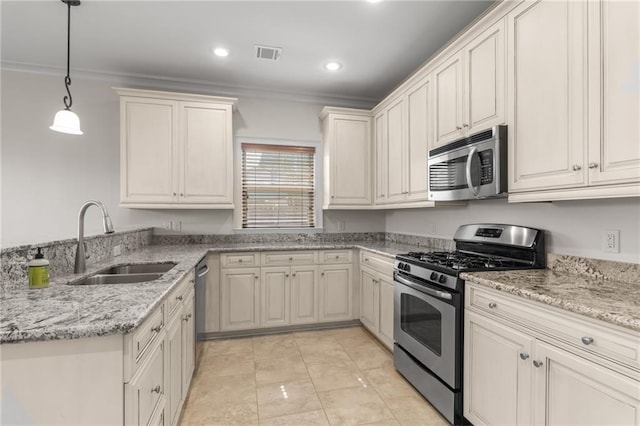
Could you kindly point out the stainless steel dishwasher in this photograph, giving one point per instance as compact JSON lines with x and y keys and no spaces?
{"x":201,"y":296}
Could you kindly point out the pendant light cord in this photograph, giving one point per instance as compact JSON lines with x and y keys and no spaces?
{"x":68,"y":101}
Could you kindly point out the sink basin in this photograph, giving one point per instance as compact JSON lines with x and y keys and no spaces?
{"x":117,"y":279}
{"x":144,"y":268}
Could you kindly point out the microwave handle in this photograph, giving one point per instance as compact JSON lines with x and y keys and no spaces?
{"x":473,"y":190}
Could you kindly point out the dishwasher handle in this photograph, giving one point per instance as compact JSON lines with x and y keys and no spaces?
{"x":202,"y":272}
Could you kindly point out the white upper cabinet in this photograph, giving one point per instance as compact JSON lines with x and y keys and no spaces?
{"x":574,"y":100}
{"x":614,"y":92}
{"x":347,"y":157}
{"x":402,"y":139}
{"x":176,"y":151}
{"x":469,"y":87}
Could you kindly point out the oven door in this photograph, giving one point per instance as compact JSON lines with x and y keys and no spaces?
{"x":426,"y":325}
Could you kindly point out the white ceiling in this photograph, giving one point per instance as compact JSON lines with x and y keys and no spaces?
{"x":379,"y":44}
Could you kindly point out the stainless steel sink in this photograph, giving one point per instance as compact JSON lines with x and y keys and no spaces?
{"x":143,"y":268}
{"x":117,"y":279}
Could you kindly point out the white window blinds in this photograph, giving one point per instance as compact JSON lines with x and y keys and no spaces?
{"x":278,"y":186}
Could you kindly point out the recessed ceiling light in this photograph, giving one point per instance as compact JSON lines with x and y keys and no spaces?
{"x":332,"y":66}
{"x":221,"y":51}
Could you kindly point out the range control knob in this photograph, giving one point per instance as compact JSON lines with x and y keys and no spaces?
{"x":407,"y":267}
{"x":401,"y":266}
{"x":442,"y":279}
{"x":433,"y":276}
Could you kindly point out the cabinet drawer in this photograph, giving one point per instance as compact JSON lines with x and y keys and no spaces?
{"x":178,"y":294}
{"x":336,"y":256}
{"x":585,"y":334}
{"x":378,"y":262}
{"x":146,"y":389}
{"x":278,"y":258}
{"x":235,"y":260}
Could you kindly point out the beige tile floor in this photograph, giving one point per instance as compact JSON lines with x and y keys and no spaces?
{"x":330,"y":377}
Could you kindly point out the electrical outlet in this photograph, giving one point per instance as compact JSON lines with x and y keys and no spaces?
{"x":117,"y":250}
{"x":611,"y":241}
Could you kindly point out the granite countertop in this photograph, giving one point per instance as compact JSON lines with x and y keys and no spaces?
{"x":615,"y":302}
{"x":63,"y":311}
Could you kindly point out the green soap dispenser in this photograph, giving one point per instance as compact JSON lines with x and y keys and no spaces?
{"x":39,"y":271}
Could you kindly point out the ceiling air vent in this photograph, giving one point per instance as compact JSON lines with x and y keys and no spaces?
{"x":269,"y":53}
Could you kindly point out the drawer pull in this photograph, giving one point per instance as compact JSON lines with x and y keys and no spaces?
{"x":537,"y":364}
{"x":156,"y":329}
{"x":239,"y":260}
{"x":366,"y":259}
{"x":156,"y":389}
{"x":322,"y":273}
{"x":290,"y":259}
{"x":187,"y":317}
{"x":587,"y":340}
{"x":524,"y":355}
{"x":337,"y":256}
{"x":493,"y":305}
{"x":179,"y":297}
{"x":293,"y":274}
{"x":256,"y":276}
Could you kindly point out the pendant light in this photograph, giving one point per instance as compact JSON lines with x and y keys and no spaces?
{"x":66,"y":121}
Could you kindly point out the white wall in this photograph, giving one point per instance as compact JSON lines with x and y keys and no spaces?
{"x":574,"y":227}
{"x":46,"y":176}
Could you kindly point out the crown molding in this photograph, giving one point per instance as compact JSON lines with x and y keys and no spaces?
{"x":203,"y":87}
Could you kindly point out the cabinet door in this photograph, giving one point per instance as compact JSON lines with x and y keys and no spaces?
{"x":148,"y":152}
{"x":174,"y":351}
{"x":395,"y":152}
{"x":275,"y":292}
{"x":369,"y":311}
{"x":386,"y":310}
{"x":240,"y":296}
{"x":380,"y":135}
{"x":350,"y":161}
{"x":546,"y":95}
{"x":570,"y":390}
{"x":484,"y":80}
{"x":188,"y":342}
{"x":206,"y":154}
{"x":418,"y":140}
{"x":304,"y":294}
{"x":497,"y":381}
{"x":336,"y":286}
{"x":448,"y":100}
{"x":614,"y":97}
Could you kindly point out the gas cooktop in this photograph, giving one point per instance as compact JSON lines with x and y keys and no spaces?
{"x":462,"y":261}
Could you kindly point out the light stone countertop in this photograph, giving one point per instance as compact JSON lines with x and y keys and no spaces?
{"x":615,"y":302}
{"x":63,"y":311}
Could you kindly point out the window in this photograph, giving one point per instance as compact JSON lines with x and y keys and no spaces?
{"x":278,"y":186}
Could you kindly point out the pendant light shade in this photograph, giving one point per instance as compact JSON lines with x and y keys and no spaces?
{"x":66,"y":121}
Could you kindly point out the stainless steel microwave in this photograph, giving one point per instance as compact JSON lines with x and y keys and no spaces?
{"x":470,"y":168}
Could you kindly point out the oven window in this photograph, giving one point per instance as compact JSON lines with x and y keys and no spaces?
{"x":421,"y":321}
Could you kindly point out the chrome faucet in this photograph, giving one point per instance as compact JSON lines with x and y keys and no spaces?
{"x":80,"y":265}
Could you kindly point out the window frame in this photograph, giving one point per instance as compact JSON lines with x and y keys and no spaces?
{"x":237,"y":198}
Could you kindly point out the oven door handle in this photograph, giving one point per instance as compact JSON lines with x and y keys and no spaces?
{"x":436,"y":293}
{"x":473,"y":190}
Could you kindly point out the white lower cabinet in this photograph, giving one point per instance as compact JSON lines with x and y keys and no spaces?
{"x":336,"y":288}
{"x":240,"y":299}
{"x":376,"y":296}
{"x":518,"y":371}
{"x":146,"y":390}
{"x":174,"y":352}
{"x":285,"y":288}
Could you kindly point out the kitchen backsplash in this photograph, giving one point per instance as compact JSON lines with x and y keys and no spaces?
{"x":61,"y":254}
{"x":240,"y":238}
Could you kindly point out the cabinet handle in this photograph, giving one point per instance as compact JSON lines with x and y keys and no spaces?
{"x":181,"y":194}
{"x":587,"y":340}
{"x":465,"y":125}
{"x":337,"y":257}
{"x":293,"y":275}
{"x":187,"y":317}
{"x":256,"y":276}
{"x":333,"y":196}
{"x":156,"y":329}
{"x":179,"y":298}
{"x":290,"y":259}
{"x":593,"y":165}
{"x":576,"y":167}
{"x":156,"y":389}
{"x":286,"y":275}
{"x":322,"y":273}
{"x":174,"y":194}
{"x":239,"y":260}
{"x":524,"y":355}
{"x":493,"y":305}
{"x":366,"y":259}
{"x":537,"y":364}
{"x":458,"y":128}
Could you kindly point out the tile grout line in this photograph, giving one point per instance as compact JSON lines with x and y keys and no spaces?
{"x":306,"y":367}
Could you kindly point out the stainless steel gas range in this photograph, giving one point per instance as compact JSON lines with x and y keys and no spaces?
{"x":429,"y":305}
